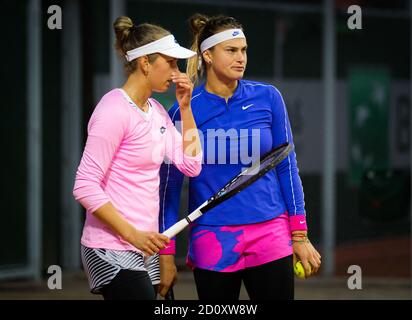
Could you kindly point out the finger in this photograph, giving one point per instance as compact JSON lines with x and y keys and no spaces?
{"x":317,"y":254}
{"x":315,"y":258}
{"x":318,"y":263}
{"x":314,"y":269}
{"x":163,"y":238}
{"x":314,"y":266}
{"x":159,"y":245}
{"x":307,"y":267}
{"x":157,"y":242}
{"x":153,"y":247}
{"x":180,"y":79}
{"x":179,"y":75}
{"x":151,"y":242}
{"x":315,"y":262}
{"x":164,"y":290}
{"x":160,"y":240}
{"x":295,"y":259}
{"x":185,"y":86}
{"x":167,"y":282}
{"x":176,"y":73}
{"x":148,"y":251}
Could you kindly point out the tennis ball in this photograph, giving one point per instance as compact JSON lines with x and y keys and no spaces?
{"x":299,"y":270}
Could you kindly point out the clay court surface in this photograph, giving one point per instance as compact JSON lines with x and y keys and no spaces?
{"x":385,"y":268}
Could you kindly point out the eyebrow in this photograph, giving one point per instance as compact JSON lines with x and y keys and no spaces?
{"x":231,"y":47}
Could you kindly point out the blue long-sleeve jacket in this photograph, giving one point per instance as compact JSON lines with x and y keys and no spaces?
{"x":234,"y":133}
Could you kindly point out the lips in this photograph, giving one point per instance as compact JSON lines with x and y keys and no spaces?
{"x":238,"y":68}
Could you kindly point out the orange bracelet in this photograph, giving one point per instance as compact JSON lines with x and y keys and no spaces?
{"x":300,"y":235}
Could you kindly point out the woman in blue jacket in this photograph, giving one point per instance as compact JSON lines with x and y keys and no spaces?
{"x":255,"y":236}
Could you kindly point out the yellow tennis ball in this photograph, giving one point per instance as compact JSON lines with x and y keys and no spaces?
{"x":299,"y":270}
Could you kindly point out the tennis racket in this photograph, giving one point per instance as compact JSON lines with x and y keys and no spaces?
{"x":266,"y":163}
{"x":170,"y":294}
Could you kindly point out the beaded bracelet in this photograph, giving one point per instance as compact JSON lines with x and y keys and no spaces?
{"x":301,"y":241}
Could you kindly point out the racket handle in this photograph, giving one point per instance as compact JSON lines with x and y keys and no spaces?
{"x":176,"y":228}
{"x":180,"y":225}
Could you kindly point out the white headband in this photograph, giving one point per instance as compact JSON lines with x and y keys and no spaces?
{"x":166,"y":45}
{"x":220,"y":37}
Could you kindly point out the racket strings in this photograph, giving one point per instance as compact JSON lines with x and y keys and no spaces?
{"x":266,"y":164}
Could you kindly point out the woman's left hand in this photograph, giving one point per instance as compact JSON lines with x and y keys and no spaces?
{"x":308,"y":255}
{"x":184,"y":89}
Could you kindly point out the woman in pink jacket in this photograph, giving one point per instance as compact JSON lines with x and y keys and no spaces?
{"x":117,"y":181}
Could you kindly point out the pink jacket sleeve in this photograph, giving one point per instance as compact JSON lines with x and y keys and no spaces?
{"x":189,"y":166}
{"x":106,"y":130}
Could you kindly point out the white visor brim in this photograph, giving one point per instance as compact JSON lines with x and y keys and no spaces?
{"x":166,"y":45}
{"x":178,"y":52}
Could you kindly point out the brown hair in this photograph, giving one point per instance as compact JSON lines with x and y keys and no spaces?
{"x":203,"y":27}
{"x":129,"y":36}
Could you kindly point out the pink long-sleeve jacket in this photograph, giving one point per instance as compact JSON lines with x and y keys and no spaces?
{"x":124,"y":150}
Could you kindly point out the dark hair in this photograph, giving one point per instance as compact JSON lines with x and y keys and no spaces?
{"x":203,"y":27}
{"x":130,"y":36}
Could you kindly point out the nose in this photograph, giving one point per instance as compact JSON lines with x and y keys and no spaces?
{"x":175,"y":67}
{"x":241,"y":56}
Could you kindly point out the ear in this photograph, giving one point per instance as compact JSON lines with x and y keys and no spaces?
{"x":207,"y":57}
{"x":144,"y":64}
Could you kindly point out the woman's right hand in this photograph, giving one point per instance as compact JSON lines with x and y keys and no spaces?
{"x":148,"y":242}
{"x":184,"y":89}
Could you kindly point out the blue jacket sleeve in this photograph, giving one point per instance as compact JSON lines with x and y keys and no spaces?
{"x":171,"y":180}
{"x":287,"y":170}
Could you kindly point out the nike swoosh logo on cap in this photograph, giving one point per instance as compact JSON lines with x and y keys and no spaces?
{"x":302,"y":221}
{"x":246,"y":107}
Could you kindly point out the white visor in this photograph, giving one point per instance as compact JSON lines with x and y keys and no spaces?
{"x":166,"y":45}
{"x":220,"y":37}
